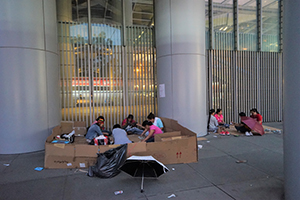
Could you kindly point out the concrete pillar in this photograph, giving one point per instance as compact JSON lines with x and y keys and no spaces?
{"x":291,"y":98}
{"x":128,"y":12}
{"x":29,"y":78}
{"x":181,"y":71}
{"x":64,"y":10}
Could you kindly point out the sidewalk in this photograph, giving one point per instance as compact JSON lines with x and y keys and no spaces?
{"x":215,"y":176}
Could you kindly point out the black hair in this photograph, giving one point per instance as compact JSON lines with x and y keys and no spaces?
{"x":116,"y":126}
{"x":242,"y":114}
{"x":130,"y":116}
{"x":100,"y":117}
{"x":254,"y":110}
{"x":211,"y":111}
{"x":147,"y":123}
{"x":219,"y":110}
{"x":151,"y":116}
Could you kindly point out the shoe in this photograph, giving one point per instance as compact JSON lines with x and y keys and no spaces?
{"x":247,"y":133}
{"x":227,"y":133}
{"x":251,"y":134}
{"x":223,"y":133}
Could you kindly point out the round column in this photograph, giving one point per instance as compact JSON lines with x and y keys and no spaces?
{"x":291,"y":98}
{"x":29,"y":77}
{"x":181,"y":71}
{"x":64,"y":10}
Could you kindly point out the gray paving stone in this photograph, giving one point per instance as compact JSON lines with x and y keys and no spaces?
{"x":235,"y":145}
{"x":256,"y":189}
{"x":224,"y":169}
{"x":46,"y":189}
{"x":207,"y":193}
{"x":183,"y":177}
{"x":22,"y":169}
{"x":209,"y":151}
{"x":268,"y":141}
{"x":267,"y":161}
{"x":80,"y":186}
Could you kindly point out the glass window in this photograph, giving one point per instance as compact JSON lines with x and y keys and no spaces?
{"x":247,"y":25}
{"x":223,"y":24}
{"x":142,"y":12}
{"x":102,"y":12}
{"x":79,"y":11}
{"x":270,"y":25}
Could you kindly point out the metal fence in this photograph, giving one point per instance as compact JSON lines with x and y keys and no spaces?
{"x":105,"y":77}
{"x":241,"y":80}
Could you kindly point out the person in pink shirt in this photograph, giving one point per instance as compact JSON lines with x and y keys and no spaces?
{"x":153,"y":130}
{"x":220,"y":118}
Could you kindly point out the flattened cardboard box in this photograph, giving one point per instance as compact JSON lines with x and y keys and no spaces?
{"x":177,"y":145}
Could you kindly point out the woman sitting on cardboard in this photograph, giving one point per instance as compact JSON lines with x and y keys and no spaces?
{"x":152,"y":129}
{"x":120,"y":135}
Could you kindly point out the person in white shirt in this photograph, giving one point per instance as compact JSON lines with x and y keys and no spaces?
{"x":156,"y":121}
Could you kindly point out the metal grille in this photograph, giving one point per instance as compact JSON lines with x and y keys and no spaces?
{"x":104,"y":77}
{"x":140,"y":72}
{"x":241,"y":80}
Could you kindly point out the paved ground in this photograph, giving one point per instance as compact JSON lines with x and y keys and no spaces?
{"x":215,"y":176}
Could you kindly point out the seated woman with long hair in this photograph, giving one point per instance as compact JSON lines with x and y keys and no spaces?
{"x":213,"y":125}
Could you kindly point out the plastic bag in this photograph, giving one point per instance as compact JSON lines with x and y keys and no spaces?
{"x":109,"y":162}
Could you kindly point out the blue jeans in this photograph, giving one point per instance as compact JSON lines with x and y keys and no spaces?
{"x":150,"y":139}
{"x":135,"y":130}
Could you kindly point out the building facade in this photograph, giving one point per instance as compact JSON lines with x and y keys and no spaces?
{"x":114,"y":58}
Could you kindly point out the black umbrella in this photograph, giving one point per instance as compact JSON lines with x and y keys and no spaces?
{"x":143,"y":166}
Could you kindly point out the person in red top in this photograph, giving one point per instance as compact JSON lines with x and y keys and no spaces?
{"x":128,"y":121}
{"x":255,"y":115}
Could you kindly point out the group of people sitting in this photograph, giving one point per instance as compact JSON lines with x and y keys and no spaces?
{"x":146,"y":131}
{"x":242,"y":127}
{"x":216,"y":122}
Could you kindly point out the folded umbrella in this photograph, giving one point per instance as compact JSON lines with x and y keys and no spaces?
{"x":143,"y":166}
{"x":253,"y":124}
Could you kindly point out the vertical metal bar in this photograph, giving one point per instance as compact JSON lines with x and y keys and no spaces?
{"x":134,"y":62}
{"x":280,"y":85}
{"x":147,"y":72}
{"x":280,"y":42}
{"x":259,"y":24}
{"x":91,"y":82}
{"x":71,"y":66}
{"x":89,"y":22}
{"x":62,"y":66}
{"x":111,"y":77}
{"x":210,"y":24}
{"x":68,"y":65}
{"x":236,"y":24}
{"x":152,"y":69}
{"x":235,"y":85}
{"x":99,"y":78}
{"x":130,"y":68}
{"x":81,"y":105}
{"x":140,"y":73}
{"x":124,"y":82}
{"x":74,"y":80}
{"x":123,"y":27}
